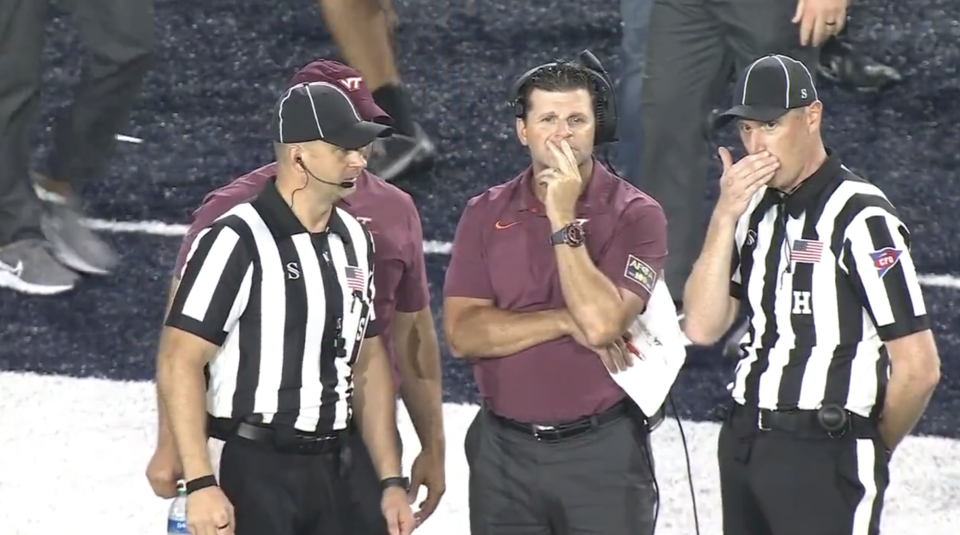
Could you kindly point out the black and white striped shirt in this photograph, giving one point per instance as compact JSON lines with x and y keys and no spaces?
{"x":826,"y":277}
{"x":288,"y":308}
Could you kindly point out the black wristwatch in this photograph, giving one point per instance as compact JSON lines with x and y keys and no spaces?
{"x":571,"y":235}
{"x":402,"y":482}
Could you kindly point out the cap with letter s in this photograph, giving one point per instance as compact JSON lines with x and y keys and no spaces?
{"x":322,"y":111}
{"x":770,"y":87}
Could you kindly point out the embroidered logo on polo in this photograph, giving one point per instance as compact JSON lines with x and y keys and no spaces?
{"x":640,"y":272}
{"x":885,"y":259}
{"x":367,"y":223}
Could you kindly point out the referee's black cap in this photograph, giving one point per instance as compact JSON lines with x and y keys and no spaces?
{"x":770,"y":87}
{"x":321,"y":111}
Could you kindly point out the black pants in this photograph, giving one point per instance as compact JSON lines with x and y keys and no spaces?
{"x":364,"y":516}
{"x":786,"y":483}
{"x":282,"y":493}
{"x":598,"y":482}
{"x":117,"y":37}
{"x":691,"y":47}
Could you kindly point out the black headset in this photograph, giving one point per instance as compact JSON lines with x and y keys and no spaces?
{"x":604,"y":95}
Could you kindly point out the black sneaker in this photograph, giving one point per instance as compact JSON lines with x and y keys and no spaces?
{"x":394,"y":156}
{"x":844,"y":65}
{"x":28,"y":266}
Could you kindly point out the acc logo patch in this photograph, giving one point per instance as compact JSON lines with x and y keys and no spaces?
{"x":884,"y":259}
{"x":639,"y":272}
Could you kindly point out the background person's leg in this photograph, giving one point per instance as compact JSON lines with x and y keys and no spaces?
{"x":685,"y":56}
{"x":635,"y":17}
{"x":118,"y":39}
{"x":26,"y":262}
{"x":364,"y":32}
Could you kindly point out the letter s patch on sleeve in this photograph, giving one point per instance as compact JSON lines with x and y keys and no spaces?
{"x":639,"y":272}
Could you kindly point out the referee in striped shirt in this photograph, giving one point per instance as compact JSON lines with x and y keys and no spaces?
{"x":275,"y":307}
{"x":838,"y":362}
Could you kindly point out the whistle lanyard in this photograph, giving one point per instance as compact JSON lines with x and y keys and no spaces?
{"x":785,"y":249}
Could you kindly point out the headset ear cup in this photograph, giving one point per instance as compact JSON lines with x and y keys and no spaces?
{"x":606,"y":108}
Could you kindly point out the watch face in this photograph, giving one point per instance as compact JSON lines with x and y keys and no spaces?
{"x":575,"y":235}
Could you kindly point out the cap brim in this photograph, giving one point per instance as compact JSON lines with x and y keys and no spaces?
{"x":761,"y":114}
{"x":359,"y":135}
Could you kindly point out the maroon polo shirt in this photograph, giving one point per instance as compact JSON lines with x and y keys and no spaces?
{"x":386,"y":211}
{"x":502,"y":252}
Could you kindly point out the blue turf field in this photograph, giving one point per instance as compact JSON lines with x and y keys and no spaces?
{"x":222,"y":63}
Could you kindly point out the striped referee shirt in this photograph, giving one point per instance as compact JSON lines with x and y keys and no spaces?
{"x":288,"y":308}
{"x":826,"y":277}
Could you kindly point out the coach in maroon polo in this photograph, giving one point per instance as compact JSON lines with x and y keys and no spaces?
{"x":401,"y":305}
{"x":547,"y":271}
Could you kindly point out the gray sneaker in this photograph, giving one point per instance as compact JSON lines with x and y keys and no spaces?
{"x":73,"y":243}
{"x":27,"y":266}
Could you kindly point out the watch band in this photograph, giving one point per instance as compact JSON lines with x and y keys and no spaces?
{"x":572,"y":234}
{"x":200,"y":483}
{"x":402,"y":482}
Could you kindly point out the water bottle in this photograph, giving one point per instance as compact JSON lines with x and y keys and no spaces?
{"x":177,"y":518}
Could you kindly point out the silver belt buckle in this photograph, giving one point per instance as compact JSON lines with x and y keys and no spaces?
{"x":537,"y":429}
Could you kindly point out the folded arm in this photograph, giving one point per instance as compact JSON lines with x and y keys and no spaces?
{"x":605,"y":296}
{"x":473,"y":325}
{"x":476,"y":329}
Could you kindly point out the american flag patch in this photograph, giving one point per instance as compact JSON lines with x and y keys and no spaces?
{"x":806,"y":251}
{"x":356,"y":280}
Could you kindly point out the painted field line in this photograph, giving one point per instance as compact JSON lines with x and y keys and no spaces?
{"x":159,"y":228}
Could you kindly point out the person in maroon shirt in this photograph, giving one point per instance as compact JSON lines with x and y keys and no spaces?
{"x":547,"y":272}
{"x":401,"y":306}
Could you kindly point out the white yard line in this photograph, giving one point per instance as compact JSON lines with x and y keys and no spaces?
{"x":159,"y":228}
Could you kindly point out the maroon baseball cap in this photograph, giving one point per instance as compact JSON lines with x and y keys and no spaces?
{"x":334,"y":72}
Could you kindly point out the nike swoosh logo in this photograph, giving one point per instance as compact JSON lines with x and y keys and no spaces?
{"x":501,"y":226}
{"x":14,"y":270}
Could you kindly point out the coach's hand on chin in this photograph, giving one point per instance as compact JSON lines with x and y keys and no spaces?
{"x":164,"y":470}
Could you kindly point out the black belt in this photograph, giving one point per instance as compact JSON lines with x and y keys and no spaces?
{"x":831,"y":420}
{"x":566,"y":430}
{"x":285,"y":441}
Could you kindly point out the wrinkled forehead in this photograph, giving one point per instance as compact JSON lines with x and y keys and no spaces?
{"x":568,"y":102}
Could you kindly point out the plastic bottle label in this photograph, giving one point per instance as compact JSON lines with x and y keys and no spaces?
{"x":177,"y":526}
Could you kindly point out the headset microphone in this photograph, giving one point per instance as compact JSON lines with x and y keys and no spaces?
{"x":344,"y":185}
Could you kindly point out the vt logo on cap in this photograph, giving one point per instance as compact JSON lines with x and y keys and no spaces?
{"x":321,"y":111}
{"x":770,"y":87}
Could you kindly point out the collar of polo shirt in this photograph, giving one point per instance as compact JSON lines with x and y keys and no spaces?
{"x":595,"y":195}
{"x":283,"y":222}
{"x":809,"y":191}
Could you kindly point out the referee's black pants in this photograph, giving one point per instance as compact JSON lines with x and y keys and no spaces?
{"x":282,"y":493}
{"x":118,"y":39}
{"x":599,"y":480}
{"x":797,"y":480}
{"x":691,"y":48}
{"x":363,"y":515}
